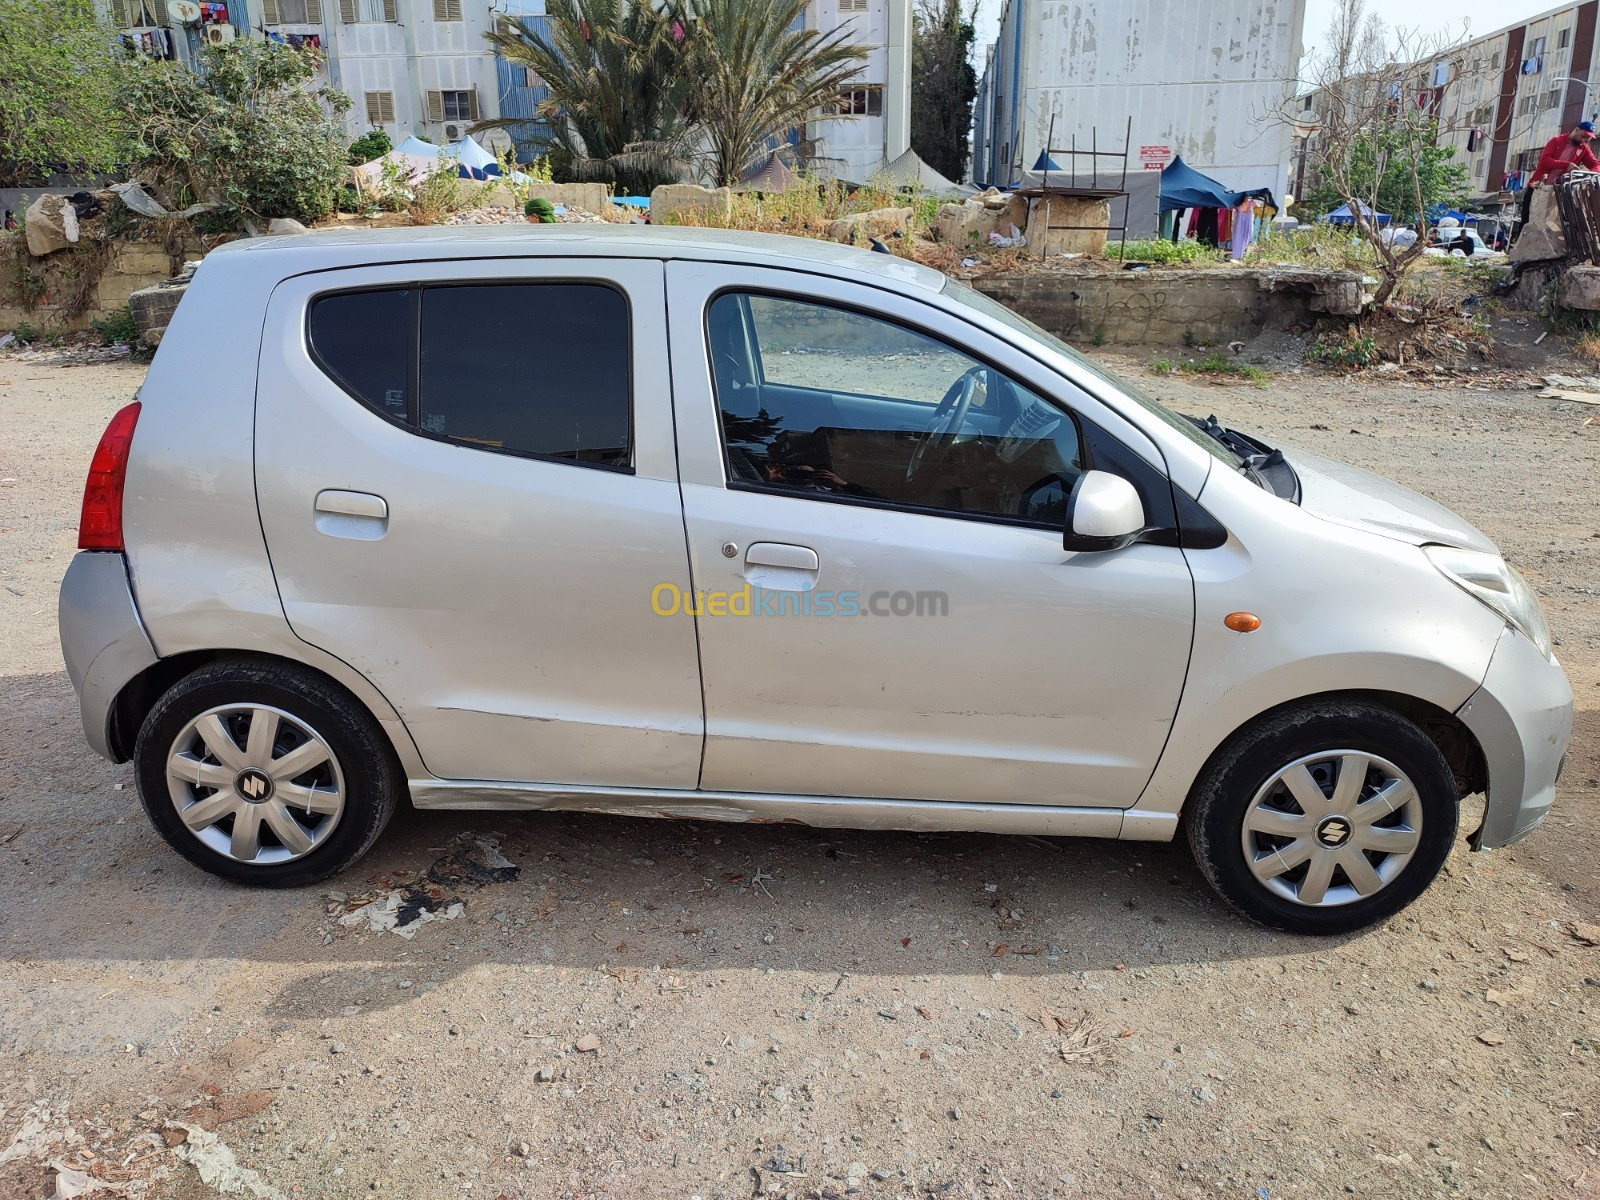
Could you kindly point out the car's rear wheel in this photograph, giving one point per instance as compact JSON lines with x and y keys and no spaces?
{"x":1324,"y":818}
{"x":265,"y":773}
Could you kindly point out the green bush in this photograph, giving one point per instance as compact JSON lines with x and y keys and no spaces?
{"x":1346,"y":353}
{"x":117,"y":329}
{"x":248,"y":130}
{"x":1160,"y":250}
{"x":373,"y":144}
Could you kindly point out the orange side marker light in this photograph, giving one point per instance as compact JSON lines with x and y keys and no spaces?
{"x":1242,"y":622}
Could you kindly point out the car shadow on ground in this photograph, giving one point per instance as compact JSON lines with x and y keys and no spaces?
{"x":626,"y":894}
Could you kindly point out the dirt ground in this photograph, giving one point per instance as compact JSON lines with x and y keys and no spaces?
{"x":781,"y":1010}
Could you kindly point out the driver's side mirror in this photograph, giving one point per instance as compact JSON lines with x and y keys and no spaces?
{"x":1103,"y":513}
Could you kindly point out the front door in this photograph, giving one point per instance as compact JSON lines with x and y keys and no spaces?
{"x":468,"y":491}
{"x":874,"y":492}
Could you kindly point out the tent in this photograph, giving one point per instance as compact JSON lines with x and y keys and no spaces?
{"x":1343,"y":216}
{"x":473,"y":156}
{"x":1184,"y":187}
{"x":770,"y":176}
{"x":1044,"y":162}
{"x":909,"y":171}
{"x":417,"y":148}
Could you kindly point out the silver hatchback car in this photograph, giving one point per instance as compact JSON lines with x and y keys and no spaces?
{"x":749,"y":528}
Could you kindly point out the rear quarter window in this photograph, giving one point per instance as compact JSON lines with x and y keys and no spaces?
{"x":363,"y":340}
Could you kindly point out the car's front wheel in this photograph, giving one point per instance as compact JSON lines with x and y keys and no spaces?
{"x":1324,"y":818}
{"x":265,"y":773}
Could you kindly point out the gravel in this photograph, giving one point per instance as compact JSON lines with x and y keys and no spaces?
{"x":1155,"y":1046}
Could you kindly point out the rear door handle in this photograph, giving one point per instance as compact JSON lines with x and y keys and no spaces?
{"x":359,"y":516}
{"x":352,"y":504}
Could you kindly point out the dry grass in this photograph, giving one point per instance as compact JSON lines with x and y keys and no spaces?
{"x":1587,"y":348}
{"x":809,"y":209}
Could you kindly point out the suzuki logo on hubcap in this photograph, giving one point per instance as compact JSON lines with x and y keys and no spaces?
{"x":254,"y":786}
{"x":1334,"y":832}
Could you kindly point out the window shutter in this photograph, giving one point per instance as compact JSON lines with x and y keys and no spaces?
{"x":119,"y":14}
{"x":269,"y":12}
{"x":347,"y":11}
{"x":447,"y":10}
{"x":313,"y":12}
{"x":472,"y":105}
{"x":389,"y":12}
{"x":435,"y":106}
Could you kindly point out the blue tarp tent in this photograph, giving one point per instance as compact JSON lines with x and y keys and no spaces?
{"x":1045,"y":163}
{"x":1343,"y":216}
{"x":417,"y":148}
{"x":1184,"y":187}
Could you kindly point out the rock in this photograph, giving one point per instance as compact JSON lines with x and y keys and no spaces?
{"x":1492,"y":1037}
{"x":285,"y":225}
{"x":152,"y":309}
{"x":544,"y":1075}
{"x":587,"y":1044}
{"x":51,"y":225}
{"x":965,"y":225}
{"x":1205,"y":1095}
{"x":1052,"y":219}
{"x":591,"y":197}
{"x":336,"y":1048}
{"x":672,"y":202}
{"x":857,"y":228}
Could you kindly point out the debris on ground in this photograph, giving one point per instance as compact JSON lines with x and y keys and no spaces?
{"x":219,"y":1109}
{"x":1582,"y":389}
{"x":1081,"y":1040}
{"x":477,"y":861}
{"x":218,"y":1168}
{"x":402,"y":910}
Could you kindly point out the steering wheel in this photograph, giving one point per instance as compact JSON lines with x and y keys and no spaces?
{"x":948,"y":417}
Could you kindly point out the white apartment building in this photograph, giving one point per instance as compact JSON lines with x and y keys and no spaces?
{"x":425,"y":67}
{"x":878,"y":103}
{"x":1207,"y":81}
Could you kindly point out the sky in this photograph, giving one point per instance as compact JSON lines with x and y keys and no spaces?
{"x":1485,"y":16}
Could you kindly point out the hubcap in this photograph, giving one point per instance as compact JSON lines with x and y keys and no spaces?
{"x":255,"y":784}
{"x":1332,"y":828}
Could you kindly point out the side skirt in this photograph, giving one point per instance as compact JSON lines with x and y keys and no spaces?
{"x":828,"y":812}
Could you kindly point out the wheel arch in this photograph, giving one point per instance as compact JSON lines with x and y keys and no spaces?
{"x":1456,"y":743}
{"x":139,"y":695}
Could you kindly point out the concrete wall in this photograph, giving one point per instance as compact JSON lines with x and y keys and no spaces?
{"x":1157,"y":308}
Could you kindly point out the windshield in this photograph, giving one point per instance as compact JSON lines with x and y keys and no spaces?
{"x":975,"y":299}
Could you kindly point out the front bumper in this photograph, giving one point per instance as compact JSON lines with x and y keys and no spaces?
{"x":1522,"y":718}
{"x":102,"y":638}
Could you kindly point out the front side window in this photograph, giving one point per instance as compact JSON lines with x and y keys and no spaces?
{"x":830,"y":403}
{"x":538,"y":369}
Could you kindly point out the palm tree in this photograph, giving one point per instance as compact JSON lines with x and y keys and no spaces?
{"x":619,"y":87}
{"x":759,"y":72}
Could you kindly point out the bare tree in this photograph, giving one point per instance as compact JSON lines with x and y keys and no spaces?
{"x":1376,"y":116}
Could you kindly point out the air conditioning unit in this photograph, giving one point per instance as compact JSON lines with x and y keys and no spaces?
{"x":220,"y":35}
{"x":452,"y":133}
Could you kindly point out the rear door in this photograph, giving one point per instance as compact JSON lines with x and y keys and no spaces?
{"x":467,"y":483}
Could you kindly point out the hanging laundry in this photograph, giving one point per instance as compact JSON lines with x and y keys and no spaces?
{"x":1244,"y":227}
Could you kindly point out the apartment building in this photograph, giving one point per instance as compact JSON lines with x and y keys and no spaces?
{"x":1206,"y":80}
{"x":425,"y":66}
{"x":1514,"y":89}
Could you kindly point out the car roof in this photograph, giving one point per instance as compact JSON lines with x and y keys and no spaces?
{"x":297,"y":254}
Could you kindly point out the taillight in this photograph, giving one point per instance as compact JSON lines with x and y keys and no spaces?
{"x":100,"y":526}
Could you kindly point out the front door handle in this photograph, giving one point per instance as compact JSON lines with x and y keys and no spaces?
{"x":781,"y":554}
{"x":358,"y":516}
{"x":780,"y":567}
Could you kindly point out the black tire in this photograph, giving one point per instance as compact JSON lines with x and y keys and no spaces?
{"x":1217,"y":806}
{"x":372,"y":776}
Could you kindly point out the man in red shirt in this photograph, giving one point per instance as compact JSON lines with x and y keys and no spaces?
{"x":1565,"y":151}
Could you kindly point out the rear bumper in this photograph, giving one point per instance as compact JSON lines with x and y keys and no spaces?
{"x":102,"y":639}
{"x":1522,"y":718}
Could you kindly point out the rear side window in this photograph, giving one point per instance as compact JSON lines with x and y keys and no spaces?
{"x":535,"y":368}
{"x":539,"y":369}
{"x":362,"y":339}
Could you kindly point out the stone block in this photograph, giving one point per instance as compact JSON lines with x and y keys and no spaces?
{"x":1068,"y":225}
{"x":671,"y":202}
{"x":857,"y":228}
